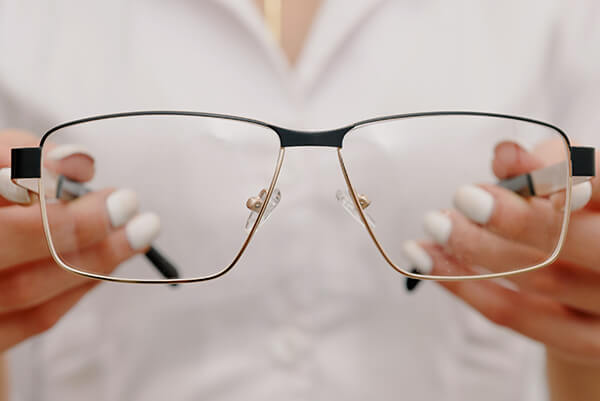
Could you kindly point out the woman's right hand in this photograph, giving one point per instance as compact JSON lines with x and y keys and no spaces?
{"x":34,"y":291}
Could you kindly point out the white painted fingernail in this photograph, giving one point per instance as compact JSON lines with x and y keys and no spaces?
{"x":475,"y":203}
{"x":142,"y":230}
{"x":438,"y":226}
{"x":64,"y":151}
{"x":417,"y":256}
{"x":122,"y":205}
{"x":11,"y":191}
{"x":581,"y":195}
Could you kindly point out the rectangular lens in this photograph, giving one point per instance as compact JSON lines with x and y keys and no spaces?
{"x":194,"y":173}
{"x":434,"y":180}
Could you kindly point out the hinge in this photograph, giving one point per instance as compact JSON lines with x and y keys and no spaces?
{"x":25,"y":163}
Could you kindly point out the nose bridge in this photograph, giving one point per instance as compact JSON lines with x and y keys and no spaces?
{"x":330,"y":138}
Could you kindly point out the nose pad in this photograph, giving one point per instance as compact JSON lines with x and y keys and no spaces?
{"x":255,"y":203}
{"x":345,"y":201}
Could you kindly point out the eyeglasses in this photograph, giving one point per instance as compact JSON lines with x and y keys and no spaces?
{"x":222,"y":171}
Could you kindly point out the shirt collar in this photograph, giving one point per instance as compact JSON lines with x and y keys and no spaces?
{"x":334,"y":24}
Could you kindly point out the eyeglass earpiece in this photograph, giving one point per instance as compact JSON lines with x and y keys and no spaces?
{"x":412,"y":283}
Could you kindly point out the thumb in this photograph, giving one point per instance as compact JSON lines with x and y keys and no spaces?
{"x":510,"y":159}
{"x":72,"y":161}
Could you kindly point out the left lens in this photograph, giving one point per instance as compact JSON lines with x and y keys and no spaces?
{"x":407,"y":168}
{"x":196,"y":173}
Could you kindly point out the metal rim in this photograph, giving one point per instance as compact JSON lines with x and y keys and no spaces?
{"x":339,"y":134}
{"x":55,"y":255}
{"x":548,"y":261}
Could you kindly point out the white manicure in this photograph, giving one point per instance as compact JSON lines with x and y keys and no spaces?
{"x":417,"y":256}
{"x":142,"y":230}
{"x":475,"y":203}
{"x":122,"y":205}
{"x":64,"y":151}
{"x":438,"y":226}
{"x":581,"y":195}
{"x":11,"y":191}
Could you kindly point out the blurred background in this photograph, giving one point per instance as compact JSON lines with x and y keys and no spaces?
{"x":312,"y":311}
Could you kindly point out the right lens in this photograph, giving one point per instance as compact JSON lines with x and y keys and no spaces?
{"x":408,"y":167}
{"x":196,"y":173}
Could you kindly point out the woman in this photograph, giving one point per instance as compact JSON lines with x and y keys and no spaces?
{"x":288,"y":337}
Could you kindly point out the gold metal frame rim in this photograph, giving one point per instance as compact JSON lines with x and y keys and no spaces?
{"x":553,"y":257}
{"x":64,"y":265}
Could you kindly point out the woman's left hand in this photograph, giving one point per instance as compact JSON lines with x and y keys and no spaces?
{"x":557,"y":305}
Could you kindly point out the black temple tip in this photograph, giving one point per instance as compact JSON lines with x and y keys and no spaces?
{"x":165,"y":268}
{"x":412,"y":283}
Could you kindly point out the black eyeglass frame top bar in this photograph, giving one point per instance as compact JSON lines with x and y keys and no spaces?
{"x":26,"y":161}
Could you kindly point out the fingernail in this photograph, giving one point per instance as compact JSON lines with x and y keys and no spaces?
{"x":581,"y":195}
{"x":122,"y":205}
{"x":475,"y":203}
{"x":438,"y":226}
{"x":64,"y":151}
{"x":417,"y":256}
{"x":142,"y":230}
{"x":11,"y":191}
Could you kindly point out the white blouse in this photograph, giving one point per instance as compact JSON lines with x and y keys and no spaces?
{"x":269,"y":330}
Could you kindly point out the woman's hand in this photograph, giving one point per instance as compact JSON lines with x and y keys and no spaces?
{"x":34,"y":292}
{"x":558,"y":305}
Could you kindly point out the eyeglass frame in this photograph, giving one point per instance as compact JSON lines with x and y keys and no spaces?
{"x":26,"y":164}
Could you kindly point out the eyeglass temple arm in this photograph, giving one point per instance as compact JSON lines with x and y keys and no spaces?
{"x":550,"y":179}
{"x":26,"y":163}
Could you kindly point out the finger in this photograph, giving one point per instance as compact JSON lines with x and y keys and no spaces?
{"x":581,"y":244}
{"x":19,"y":326}
{"x":74,"y":225}
{"x":473,"y":245}
{"x":532,"y":315}
{"x":23,"y":287}
{"x":531,"y":221}
{"x":11,"y":193}
{"x":72,"y":161}
{"x":510,"y":160}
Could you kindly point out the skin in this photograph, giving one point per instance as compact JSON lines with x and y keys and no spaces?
{"x":296,"y":20}
{"x":34,"y":292}
{"x":559,"y":306}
